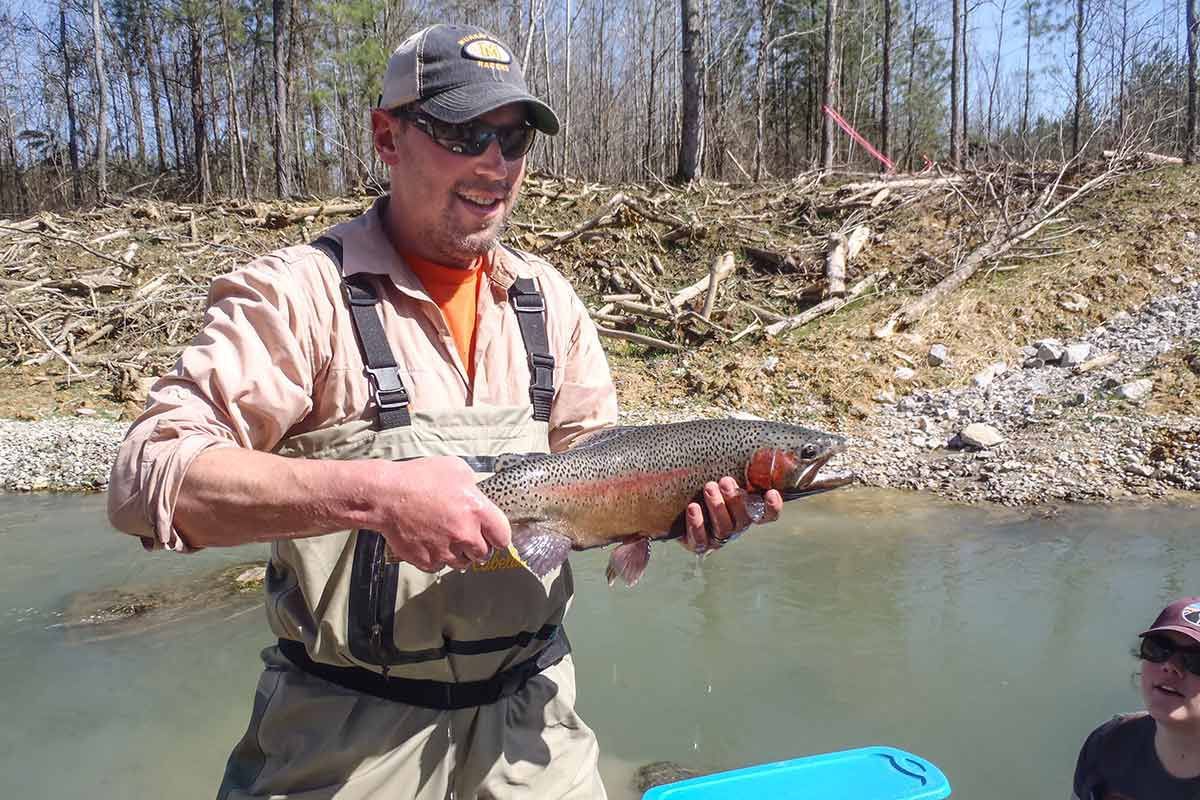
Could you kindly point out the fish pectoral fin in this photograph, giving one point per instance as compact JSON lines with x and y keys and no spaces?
{"x":629,"y":560}
{"x":540,"y":547}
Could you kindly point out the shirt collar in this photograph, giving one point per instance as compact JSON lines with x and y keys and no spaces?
{"x":366,"y":248}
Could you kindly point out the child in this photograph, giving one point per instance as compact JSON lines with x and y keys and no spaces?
{"x":1153,"y":754}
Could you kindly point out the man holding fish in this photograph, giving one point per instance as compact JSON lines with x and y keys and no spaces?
{"x":343,"y":399}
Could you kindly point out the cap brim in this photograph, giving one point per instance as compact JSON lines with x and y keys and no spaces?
{"x":465,"y":103}
{"x":1191,"y":633}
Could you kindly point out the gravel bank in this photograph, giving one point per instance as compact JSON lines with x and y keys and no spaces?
{"x":1064,"y":435}
{"x":1060,"y":434}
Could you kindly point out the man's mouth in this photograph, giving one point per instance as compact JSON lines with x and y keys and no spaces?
{"x":481,"y":200}
{"x":1168,"y":690}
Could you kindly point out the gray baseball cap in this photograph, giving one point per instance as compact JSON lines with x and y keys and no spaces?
{"x":457,"y":73}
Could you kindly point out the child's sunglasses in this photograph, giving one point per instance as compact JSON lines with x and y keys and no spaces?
{"x":472,"y":138}
{"x":1158,"y":649}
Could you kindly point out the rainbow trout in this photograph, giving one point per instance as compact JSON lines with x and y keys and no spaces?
{"x":631,"y":485}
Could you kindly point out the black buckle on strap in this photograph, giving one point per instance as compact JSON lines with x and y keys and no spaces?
{"x":528,"y":302}
{"x":387,"y":389}
{"x":542,"y":367}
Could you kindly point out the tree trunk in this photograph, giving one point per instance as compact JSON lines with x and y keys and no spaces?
{"x":966,"y":76}
{"x":693,"y":105}
{"x":1077,"y":120}
{"x":1029,"y":11}
{"x":885,"y":95}
{"x":280,"y":10}
{"x":235,"y":117}
{"x":152,"y":78}
{"x":199,"y":121}
{"x":955,"y":53}
{"x":1191,"y":144}
{"x":996,"y":71}
{"x":1121,"y":86}
{"x":69,"y":94}
{"x":101,"y":105}
{"x":766,"y":19}
{"x":828,"y":79}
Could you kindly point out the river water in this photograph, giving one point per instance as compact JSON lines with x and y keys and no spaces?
{"x":988,"y":641}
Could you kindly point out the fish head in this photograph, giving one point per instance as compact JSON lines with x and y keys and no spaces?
{"x":791,"y":460}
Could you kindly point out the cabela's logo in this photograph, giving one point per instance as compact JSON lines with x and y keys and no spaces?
{"x":1192,"y":614}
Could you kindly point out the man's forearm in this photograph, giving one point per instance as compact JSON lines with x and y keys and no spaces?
{"x":233,"y":496}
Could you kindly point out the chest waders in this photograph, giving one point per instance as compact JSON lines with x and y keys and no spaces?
{"x":345,"y":613}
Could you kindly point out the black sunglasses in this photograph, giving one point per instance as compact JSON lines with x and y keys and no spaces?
{"x":472,"y":138}
{"x":1158,"y":649}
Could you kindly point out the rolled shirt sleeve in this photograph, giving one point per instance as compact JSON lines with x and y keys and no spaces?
{"x":245,"y":379}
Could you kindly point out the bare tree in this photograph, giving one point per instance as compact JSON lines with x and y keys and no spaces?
{"x":68,"y":60}
{"x":828,"y":83}
{"x":692,"y":112}
{"x":766,"y":18}
{"x":955,"y":53}
{"x":1191,"y":145}
{"x":885,"y":92}
{"x":1077,"y":119}
{"x":280,"y":12}
{"x":101,"y":104}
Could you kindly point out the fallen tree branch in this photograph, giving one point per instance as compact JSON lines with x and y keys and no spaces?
{"x":699,"y":287}
{"x":34,"y":330}
{"x":996,"y":245}
{"x":648,"y":341}
{"x":827,"y":307}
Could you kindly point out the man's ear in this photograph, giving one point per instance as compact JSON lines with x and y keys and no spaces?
{"x":383,"y":134}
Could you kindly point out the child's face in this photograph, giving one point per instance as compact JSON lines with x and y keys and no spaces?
{"x":1170,"y":691}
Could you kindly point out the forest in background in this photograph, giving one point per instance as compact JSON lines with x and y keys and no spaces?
{"x":197,"y":99}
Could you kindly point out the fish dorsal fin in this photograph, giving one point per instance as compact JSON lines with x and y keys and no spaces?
{"x":599,"y":437}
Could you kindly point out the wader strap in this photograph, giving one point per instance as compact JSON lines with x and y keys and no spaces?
{"x":431,"y":694}
{"x":387,"y":390}
{"x":527,"y":301}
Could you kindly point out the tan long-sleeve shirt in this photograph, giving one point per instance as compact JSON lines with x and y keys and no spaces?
{"x":277,"y":356}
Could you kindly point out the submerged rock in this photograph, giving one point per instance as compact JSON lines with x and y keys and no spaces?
{"x":658,"y":773}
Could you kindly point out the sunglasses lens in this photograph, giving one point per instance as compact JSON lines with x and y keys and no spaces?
{"x":1154,"y":650}
{"x":1158,"y":651}
{"x":515,"y":142}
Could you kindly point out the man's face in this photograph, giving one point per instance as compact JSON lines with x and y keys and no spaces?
{"x":447,"y":207}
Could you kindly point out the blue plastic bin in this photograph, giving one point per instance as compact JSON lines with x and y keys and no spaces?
{"x":866,"y":773}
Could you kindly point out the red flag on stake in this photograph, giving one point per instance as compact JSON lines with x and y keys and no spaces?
{"x":858,"y":137}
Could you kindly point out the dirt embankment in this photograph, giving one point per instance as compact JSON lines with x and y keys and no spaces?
{"x":95,"y":304}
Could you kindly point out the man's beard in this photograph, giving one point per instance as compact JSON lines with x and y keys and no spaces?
{"x":474,"y":243}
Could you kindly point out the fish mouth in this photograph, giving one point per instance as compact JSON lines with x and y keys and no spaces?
{"x":808,"y":484}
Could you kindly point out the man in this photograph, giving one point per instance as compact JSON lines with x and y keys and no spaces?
{"x":341,"y":402}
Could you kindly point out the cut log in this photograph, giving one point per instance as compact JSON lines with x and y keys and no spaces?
{"x":699,"y":287}
{"x":643,"y":309}
{"x":842,"y":250}
{"x":648,"y":341}
{"x":835,"y":265}
{"x":1153,"y":158}
{"x":714,"y":280}
{"x":827,"y":307}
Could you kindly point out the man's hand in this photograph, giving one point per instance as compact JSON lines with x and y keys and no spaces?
{"x":728,"y":515}
{"x":439,"y":518}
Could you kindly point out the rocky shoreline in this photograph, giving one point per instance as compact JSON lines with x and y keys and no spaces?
{"x":1051,"y":431}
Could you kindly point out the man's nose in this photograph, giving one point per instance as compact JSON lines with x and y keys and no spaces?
{"x":491,"y":162}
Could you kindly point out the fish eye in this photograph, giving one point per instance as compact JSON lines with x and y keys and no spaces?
{"x":808,"y":451}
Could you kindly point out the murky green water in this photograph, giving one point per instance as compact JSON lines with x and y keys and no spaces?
{"x":988,"y":641}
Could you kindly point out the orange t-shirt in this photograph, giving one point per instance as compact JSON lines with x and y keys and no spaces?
{"x":455,"y":291}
